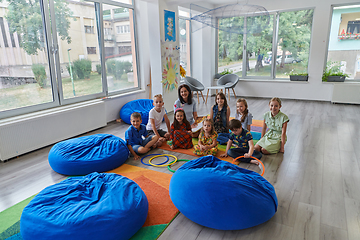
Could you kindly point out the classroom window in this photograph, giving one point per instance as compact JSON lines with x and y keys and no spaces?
{"x":120,"y":56}
{"x":344,"y":41}
{"x":31,"y":82}
{"x":291,"y":50}
{"x":184,"y":41}
{"x":27,"y":81}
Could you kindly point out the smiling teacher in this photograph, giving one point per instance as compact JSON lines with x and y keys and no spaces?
{"x":188,"y":104}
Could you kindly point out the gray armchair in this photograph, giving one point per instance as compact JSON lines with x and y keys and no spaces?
{"x":195,"y":86}
{"x":228,"y":81}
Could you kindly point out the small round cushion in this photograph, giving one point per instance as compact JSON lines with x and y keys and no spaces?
{"x":95,"y":206}
{"x":142,"y":106}
{"x":84,"y":155}
{"x":221,"y":195}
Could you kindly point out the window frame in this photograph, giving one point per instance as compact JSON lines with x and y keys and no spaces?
{"x":190,"y":45}
{"x":47,"y":9}
{"x":328,"y":36}
{"x":276,"y":18}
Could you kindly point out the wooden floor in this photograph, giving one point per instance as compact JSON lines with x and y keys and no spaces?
{"x":317,"y":179}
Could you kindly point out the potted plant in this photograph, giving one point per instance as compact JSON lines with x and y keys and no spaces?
{"x":226,"y":71}
{"x":298,"y":76}
{"x":332,"y":72}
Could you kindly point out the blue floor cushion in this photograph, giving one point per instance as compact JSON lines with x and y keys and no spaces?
{"x":142,"y":106}
{"x":96,"y":206}
{"x":221,"y":195}
{"x":84,"y":155}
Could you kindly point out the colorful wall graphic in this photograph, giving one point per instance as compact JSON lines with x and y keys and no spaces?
{"x":170,"y":66}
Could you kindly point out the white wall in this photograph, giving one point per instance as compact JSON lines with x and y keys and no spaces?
{"x":314,"y":89}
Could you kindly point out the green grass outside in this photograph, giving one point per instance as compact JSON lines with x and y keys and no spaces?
{"x":33,"y":94}
{"x":280,"y":72}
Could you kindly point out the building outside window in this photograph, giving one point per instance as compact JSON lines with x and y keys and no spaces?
{"x":344,"y":41}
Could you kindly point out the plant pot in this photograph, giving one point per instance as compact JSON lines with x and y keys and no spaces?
{"x":336,"y":79}
{"x":298,"y":78}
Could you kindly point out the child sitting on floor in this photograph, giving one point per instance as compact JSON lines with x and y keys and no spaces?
{"x":156,"y":115}
{"x":133,"y":137}
{"x":243,"y":114}
{"x":207,"y":144}
{"x":180,"y":134}
{"x":244,"y":144}
{"x":273,"y":141}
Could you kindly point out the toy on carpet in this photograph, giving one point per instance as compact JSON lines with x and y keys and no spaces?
{"x":261,"y":165}
{"x":84,"y":155}
{"x":221,"y":195}
{"x":142,"y":106}
{"x":142,"y":159}
{"x":179,"y":160}
{"x":159,"y":164}
{"x":163,"y":165}
{"x":96,"y":206}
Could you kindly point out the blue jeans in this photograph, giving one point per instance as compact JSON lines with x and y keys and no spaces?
{"x":237,"y":152}
{"x":223,"y":138}
{"x":145,"y":141}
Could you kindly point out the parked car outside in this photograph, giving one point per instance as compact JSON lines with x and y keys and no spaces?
{"x":288,"y":59}
{"x":267,"y":60}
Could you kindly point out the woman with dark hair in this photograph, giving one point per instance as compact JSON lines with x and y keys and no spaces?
{"x":188,"y":104}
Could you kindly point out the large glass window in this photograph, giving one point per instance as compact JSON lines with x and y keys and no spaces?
{"x":293,"y":44}
{"x":230,"y":47}
{"x":344,"y":41}
{"x":24,"y":67}
{"x":291,"y":49}
{"x":120,"y":55}
{"x":184,"y":40}
{"x":78,"y":58}
{"x":34,"y":76}
{"x":259,"y":47}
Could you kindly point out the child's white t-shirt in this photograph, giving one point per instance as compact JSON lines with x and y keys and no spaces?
{"x":157,"y":116}
{"x":247,"y":120}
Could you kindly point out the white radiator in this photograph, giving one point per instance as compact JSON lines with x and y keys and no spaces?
{"x":23,"y":134}
{"x":346,"y":93}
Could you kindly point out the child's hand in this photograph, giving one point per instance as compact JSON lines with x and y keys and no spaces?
{"x":194,"y":125}
{"x":246,"y":155}
{"x":136,"y":157}
{"x":224,"y":155}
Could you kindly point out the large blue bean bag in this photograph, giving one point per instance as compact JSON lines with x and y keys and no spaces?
{"x":84,"y":155}
{"x":221,"y":195}
{"x":142,"y":106}
{"x":96,"y":206}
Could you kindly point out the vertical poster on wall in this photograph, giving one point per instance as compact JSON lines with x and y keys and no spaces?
{"x":170,"y":66}
{"x":169,"y":20}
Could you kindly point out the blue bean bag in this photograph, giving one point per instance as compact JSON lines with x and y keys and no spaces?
{"x":142,"y":106}
{"x":221,"y":195}
{"x":96,"y":206}
{"x":84,"y":155}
